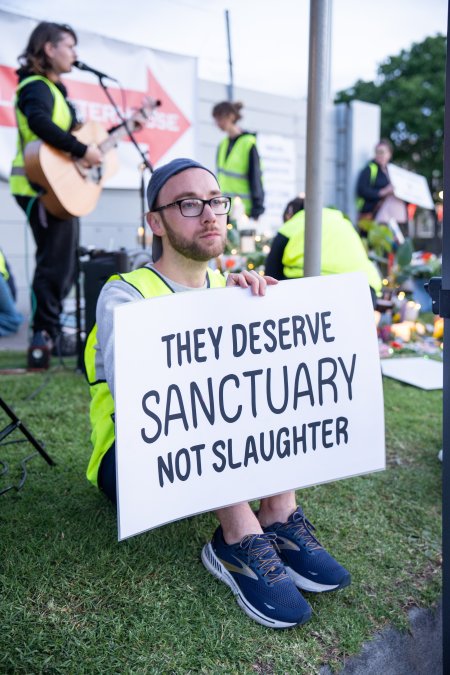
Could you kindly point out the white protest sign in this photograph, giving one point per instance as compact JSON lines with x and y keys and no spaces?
{"x":223,"y":397}
{"x":410,"y":187}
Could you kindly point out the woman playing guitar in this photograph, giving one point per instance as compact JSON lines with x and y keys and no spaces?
{"x":43,"y":112}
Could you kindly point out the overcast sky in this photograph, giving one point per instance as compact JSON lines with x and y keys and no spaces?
{"x":269,"y":38}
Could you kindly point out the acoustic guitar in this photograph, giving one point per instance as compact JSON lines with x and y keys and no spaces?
{"x":70,"y":189}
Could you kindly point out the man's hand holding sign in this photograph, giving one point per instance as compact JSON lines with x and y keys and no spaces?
{"x":222,"y":397}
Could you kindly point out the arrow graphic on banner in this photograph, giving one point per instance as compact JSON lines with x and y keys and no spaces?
{"x":166,"y":126}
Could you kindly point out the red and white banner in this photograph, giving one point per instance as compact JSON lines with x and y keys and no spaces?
{"x":141,"y":72}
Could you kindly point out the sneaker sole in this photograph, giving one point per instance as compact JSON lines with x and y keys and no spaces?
{"x":213,"y":565}
{"x":313,"y":586}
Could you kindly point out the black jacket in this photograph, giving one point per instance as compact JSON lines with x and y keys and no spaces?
{"x":35,"y":101}
{"x":370,"y":192}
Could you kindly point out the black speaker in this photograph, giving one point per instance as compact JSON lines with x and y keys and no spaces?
{"x":97,"y":270}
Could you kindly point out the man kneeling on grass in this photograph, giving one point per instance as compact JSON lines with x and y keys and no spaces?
{"x":263,"y":557}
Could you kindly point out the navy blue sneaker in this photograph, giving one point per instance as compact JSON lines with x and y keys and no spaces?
{"x":256,"y":575}
{"x":308,"y":564}
{"x":39,"y":351}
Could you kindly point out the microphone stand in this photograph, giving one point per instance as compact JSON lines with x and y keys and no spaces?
{"x":142,"y":168}
{"x":145,"y":160}
{"x":146,"y":164}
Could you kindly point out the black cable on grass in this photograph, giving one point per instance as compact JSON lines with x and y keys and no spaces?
{"x":23,"y":477}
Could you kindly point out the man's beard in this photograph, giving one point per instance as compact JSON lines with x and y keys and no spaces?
{"x":193,"y":250}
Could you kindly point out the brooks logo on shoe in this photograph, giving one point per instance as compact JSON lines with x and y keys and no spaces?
{"x":241,"y":568}
{"x":283,"y":543}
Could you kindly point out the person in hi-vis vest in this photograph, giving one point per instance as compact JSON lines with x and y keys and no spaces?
{"x":238,"y":166}
{"x":43,"y":112}
{"x":263,"y":557}
{"x":376,"y":199}
{"x":342,"y":249}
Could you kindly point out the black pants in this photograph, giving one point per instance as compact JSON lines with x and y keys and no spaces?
{"x":56,"y":250}
{"x":107,"y":474}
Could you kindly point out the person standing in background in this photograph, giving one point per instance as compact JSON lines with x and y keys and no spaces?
{"x":237,"y":162}
{"x":376,"y":199}
{"x":43,"y":112}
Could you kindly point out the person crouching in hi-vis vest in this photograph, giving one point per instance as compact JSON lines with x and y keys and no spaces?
{"x":188,"y":218}
{"x":342,"y":249}
{"x":238,"y":165}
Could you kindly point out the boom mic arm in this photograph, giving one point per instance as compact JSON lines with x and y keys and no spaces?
{"x":83,"y":66}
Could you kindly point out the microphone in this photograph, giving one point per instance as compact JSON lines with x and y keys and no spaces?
{"x":83,"y":66}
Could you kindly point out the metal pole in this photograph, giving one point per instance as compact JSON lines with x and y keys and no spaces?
{"x":230,"y":59}
{"x":318,"y":91}
{"x":445,"y":312}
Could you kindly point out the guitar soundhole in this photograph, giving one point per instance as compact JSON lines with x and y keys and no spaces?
{"x":94,"y":174}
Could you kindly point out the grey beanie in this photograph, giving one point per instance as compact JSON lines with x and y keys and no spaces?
{"x":158,"y":180}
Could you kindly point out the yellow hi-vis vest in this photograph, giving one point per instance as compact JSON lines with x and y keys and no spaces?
{"x":61,"y":116}
{"x":373,"y":169}
{"x":232,"y":171}
{"x":3,"y":269}
{"x":150,"y":285}
{"x":342,"y":248}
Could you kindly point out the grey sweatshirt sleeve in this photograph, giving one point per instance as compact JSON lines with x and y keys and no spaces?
{"x":113,"y":293}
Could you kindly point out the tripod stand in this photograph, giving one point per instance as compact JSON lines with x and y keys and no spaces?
{"x":17,"y":424}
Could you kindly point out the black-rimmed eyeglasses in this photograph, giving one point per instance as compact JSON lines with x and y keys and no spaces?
{"x":193,"y":207}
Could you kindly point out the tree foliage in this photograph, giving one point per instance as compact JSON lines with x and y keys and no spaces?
{"x":410,"y":88}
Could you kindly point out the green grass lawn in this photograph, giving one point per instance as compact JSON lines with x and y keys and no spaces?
{"x":74,"y":600}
